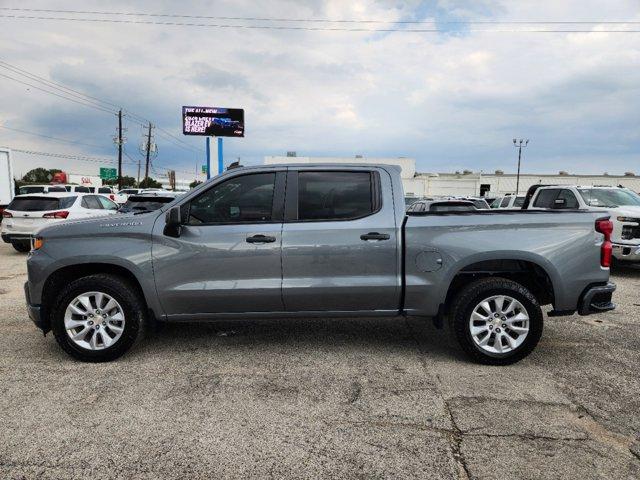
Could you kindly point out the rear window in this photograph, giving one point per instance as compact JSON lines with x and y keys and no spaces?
{"x":82,"y":189}
{"x":25,"y":190}
{"x":57,"y":189}
{"x":38,"y":204}
{"x":519,"y":202}
{"x":452,"y":207}
{"x":104,"y":190}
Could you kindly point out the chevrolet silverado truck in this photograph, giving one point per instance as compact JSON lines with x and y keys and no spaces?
{"x":317,"y":241}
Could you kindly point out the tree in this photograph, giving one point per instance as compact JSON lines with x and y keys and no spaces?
{"x":150,"y":183}
{"x":40,"y":175}
{"x":127,"y":181}
{"x":194,"y":184}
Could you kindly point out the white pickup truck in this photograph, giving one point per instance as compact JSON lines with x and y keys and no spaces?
{"x":621,"y":203}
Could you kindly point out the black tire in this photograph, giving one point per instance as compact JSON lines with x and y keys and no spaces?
{"x":123,"y":292}
{"x":471,"y":295}
{"x":21,"y":246}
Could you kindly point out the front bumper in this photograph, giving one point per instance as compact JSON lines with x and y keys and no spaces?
{"x":597,"y":299}
{"x":626,"y":253}
{"x":35,"y":311}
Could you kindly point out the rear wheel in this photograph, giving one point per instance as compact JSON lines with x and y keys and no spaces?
{"x":21,"y":245}
{"x":496,"y":321}
{"x":97,"y":318}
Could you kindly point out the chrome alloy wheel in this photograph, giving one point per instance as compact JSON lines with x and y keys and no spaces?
{"x":499,"y":324}
{"x":94,"y":320}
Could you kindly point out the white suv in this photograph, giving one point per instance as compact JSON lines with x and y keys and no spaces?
{"x":622,"y":204}
{"x":26,"y":214}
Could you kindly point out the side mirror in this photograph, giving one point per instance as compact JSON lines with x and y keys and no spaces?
{"x":172,"y":222}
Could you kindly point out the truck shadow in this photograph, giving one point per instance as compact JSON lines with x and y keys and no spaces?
{"x":391,"y":336}
{"x":626,"y":270}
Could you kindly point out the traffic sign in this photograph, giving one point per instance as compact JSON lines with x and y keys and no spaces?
{"x":204,"y":169}
{"x":108,"y":173}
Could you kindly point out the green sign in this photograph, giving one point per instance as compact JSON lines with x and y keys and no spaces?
{"x":204,"y":169}
{"x":108,"y":173}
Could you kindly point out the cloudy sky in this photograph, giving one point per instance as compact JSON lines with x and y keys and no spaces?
{"x":452,"y":99}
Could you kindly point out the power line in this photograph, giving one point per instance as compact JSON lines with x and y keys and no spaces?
{"x":51,"y":138}
{"x":75,"y":96}
{"x":82,"y":158}
{"x":315,"y":29}
{"x":325,"y":20}
{"x":57,"y":94}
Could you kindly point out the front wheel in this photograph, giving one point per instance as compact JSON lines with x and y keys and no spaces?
{"x":496,"y":321}
{"x":97,"y":318}
{"x":21,"y":246}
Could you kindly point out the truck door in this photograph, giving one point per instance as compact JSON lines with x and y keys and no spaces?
{"x":227,"y":256}
{"x":339,"y":241}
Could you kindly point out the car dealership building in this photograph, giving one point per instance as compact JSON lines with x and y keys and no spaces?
{"x":466,"y":183}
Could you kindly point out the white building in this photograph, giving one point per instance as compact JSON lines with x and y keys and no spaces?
{"x":466,"y":183}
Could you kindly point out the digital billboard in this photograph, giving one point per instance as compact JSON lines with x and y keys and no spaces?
{"x":213,"y":121}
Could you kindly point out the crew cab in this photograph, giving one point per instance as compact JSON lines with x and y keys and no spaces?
{"x":317,"y":241}
{"x":508,"y":201}
{"x":621,"y":203}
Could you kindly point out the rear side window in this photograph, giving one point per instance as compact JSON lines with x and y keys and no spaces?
{"x":38,"y":204}
{"x":90,"y":201}
{"x":546,"y":198}
{"x":107,"y":204}
{"x":335,"y":195}
{"x":519,"y":202}
{"x":570,"y":200}
{"x":505,"y":202}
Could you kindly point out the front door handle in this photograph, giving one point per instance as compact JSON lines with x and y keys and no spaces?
{"x":261,"y":239}
{"x":374,"y":236}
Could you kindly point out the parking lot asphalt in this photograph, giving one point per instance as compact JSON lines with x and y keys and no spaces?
{"x":320,"y":398}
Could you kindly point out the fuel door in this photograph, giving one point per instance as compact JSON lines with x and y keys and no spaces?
{"x":429,"y":260}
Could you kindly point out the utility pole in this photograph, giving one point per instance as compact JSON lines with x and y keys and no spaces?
{"x":519,"y":146}
{"x":120,"y":149}
{"x":148,"y":149}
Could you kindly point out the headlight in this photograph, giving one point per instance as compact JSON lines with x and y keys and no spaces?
{"x":628,"y":219}
{"x":37,"y":243}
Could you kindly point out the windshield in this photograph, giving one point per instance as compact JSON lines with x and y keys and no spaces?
{"x":602,"y":197}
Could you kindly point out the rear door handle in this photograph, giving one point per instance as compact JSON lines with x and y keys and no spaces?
{"x":374,"y":236}
{"x":261,"y":239}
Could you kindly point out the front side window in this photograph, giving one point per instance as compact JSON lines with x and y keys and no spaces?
{"x":243,"y":199}
{"x":334,"y":195}
{"x":566,"y":199}
{"x":107,"y":204}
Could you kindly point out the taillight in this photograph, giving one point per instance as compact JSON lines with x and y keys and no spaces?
{"x":605,"y":227}
{"x":60,"y":214}
{"x":6,"y":214}
{"x":112,"y":196}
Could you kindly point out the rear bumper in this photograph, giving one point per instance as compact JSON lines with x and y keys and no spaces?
{"x":626,"y":253}
{"x":35,"y":311}
{"x":597,"y":299}
{"x":13,"y":237}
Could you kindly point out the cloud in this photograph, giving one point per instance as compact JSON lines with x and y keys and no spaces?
{"x":452,"y":100}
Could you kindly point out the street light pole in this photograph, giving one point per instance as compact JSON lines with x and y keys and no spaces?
{"x":519,"y":145}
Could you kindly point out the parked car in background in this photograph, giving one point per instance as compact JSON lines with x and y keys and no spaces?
{"x":147,"y":202}
{"x":78,"y":188}
{"x":317,"y":240}
{"x":7,"y":188}
{"x":443,"y":205}
{"x":479,"y":202}
{"x":26,"y":214}
{"x":26,"y":189}
{"x":508,"y":201}
{"x":621,"y":203}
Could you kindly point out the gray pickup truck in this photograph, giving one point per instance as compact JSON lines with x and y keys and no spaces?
{"x":310,"y":240}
